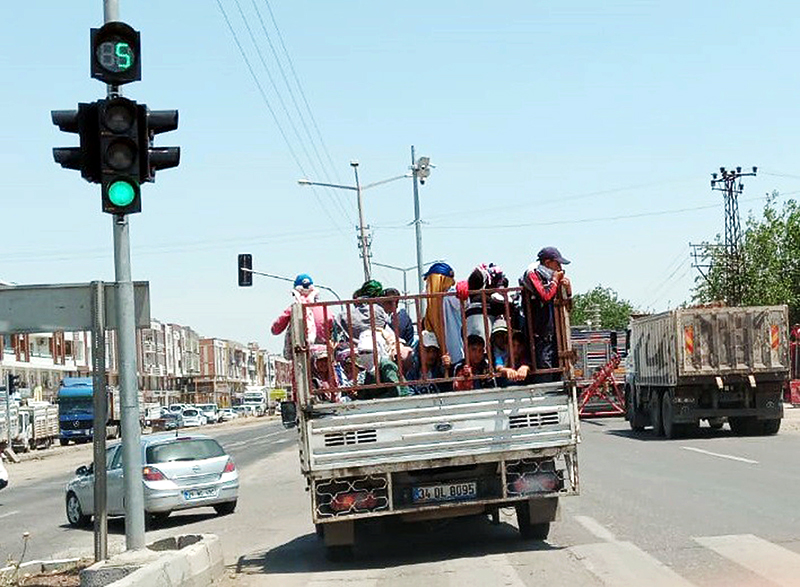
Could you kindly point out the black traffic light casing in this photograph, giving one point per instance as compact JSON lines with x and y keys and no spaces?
{"x":119,"y":138}
{"x":86,"y":157}
{"x":116,"y":54}
{"x":152,"y":158}
{"x":245,"y":266}
{"x":13,"y":384}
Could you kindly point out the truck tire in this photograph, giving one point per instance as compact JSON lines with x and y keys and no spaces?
{"x":671,"y":430}
{"x":716,"y":423}
{"x":634,"y":417}
{"x":63,"y":441}
{"x":770,"y":427}
{"x":527,"y":530}
{"x":655,"y":413}
{"x":745,"y":425}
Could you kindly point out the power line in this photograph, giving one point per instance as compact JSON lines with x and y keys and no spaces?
{"x":272,"y":111}
{"x":325,"y":171}
{"x":302,"y":93}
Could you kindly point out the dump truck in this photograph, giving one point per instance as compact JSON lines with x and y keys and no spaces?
{"x":715,"y":364}
{"x":76,"y":410}
{"x":432,"y":455}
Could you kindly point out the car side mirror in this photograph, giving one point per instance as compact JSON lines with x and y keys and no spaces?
{"x":82,"y":471}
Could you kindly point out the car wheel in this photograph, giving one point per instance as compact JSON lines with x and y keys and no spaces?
{"x":63,"y":441}
{"x":770,"y":427}
{"x":224,"y":509}
{"x":75,"y":515}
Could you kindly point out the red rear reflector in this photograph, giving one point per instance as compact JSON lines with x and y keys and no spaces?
{"x":152,"y":474}
{"x":230,"y":467}
{"x":358,"y":500}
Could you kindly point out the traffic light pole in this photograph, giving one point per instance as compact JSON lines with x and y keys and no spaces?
{"x":126,"y":341}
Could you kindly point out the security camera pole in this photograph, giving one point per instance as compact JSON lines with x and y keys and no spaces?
{"x":420,"y":168}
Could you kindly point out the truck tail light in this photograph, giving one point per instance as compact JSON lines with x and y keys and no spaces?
{"x":152,"y":474}
{"x":354,"y":500}
{"x":230,"y":466}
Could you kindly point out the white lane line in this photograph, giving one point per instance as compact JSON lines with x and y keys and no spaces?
{"x":253,"y":440}
{"x":596,"y":528}
{"x":722,"y":456}
{"x":621,"y":564}
{"x":769,"y":561}
{"x":506,"y":574}
{"x":8,"y":514}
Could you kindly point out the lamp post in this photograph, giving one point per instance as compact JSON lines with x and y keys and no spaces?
{"x":420,"y":169}
{"x":364,"y":244}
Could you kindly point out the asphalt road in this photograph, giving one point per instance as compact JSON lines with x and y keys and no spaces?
{"x":713,"y":511}
{"x":34,"y":501}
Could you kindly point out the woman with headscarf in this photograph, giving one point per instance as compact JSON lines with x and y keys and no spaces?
{"x":443,"y":313}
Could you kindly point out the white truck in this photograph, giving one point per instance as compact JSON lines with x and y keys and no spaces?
{"x":436,"y":455}
{"x":38,"y":426}
{"x":256,"y":398}
{"x":708,"y":363}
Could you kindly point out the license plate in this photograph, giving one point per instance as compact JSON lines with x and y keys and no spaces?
{"x":445,"y":492}
{"x":192,"y":494}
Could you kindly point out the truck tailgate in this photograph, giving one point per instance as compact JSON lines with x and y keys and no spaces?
{"x":465,"y":425}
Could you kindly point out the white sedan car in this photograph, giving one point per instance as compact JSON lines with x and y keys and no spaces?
{"x":179,"y":472}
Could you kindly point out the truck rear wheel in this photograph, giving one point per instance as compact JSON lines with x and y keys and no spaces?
{"x":744,"y":425}
{"x":634,"y":417}
{"x":770,"y":427}
{"x":655,"y":414}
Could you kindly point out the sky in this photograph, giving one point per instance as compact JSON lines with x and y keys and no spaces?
{"x":589,"y":126}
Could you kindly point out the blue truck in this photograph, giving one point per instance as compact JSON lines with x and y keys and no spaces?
{"x":76,"y":410}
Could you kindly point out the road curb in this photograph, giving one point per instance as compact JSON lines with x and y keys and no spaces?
{"x":188,"y":560}
{"x":37,"y":567}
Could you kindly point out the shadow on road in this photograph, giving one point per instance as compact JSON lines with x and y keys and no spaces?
{"x":647,"y":435}
{"x":389,"y":543}
{"x":117,"y":525}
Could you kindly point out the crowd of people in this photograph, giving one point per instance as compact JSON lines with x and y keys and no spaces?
{"x":471,"y":334}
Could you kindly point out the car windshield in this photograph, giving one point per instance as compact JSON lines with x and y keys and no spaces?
{"x":193,"y":449}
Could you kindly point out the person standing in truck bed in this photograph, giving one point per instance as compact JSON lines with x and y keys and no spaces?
{"x":542,"y":283}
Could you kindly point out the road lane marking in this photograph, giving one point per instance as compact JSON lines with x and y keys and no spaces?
{"x":8,"y":514}
{"x":769,"y":561}
{"x":596,"y":528}
{"x":251,"y":441}
{"x":506,"y":574}
{"x":720,"y":455}
{"x":621,"y":564}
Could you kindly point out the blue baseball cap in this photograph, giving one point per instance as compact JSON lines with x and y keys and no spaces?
{"x":551,"y":253}
{"x":440,"y":269}
{"x":303,"y":280}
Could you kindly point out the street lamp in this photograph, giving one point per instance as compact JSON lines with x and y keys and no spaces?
{"x":420,"y":169}
{"x":404,"y":270}
{"x":358,"y":188}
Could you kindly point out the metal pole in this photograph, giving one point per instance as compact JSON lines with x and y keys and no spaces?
{"x":405,"y":288}
{"x":417,"y":225}
{"x":100,"y":399}
{"x":8,"y":410}
{"x":129,"y":393}
{"x":126,"y":342}
{"x":362,"y":234}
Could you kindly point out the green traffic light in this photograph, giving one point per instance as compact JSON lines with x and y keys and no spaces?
{"x":121,"y":193}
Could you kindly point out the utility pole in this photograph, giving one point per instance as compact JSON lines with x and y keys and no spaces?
{"x":730,"y":184}
{"x":421,"y":169}
{"x":362,"y":230}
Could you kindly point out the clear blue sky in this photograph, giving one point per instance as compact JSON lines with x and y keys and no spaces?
{"x":586,"y":125}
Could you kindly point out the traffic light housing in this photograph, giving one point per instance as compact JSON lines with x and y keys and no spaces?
{"x":152,"y":158}
{"x":13,"y":384}
{"x":120,"y":165}
{"x":86,"y":157}
{"x":245,"y":270}
{"x":116,"y":54}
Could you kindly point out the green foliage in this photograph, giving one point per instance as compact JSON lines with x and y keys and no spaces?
{"x":614,"y":312}
{"x":771,"y":257}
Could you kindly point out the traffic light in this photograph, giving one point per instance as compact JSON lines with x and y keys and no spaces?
{"x":86,"y":157}
{"x":116,"y":54}
{"x":245,"y":266}
{"x":13,"y":384}
{"x":153,"y":122}
{"x":120,"y":136}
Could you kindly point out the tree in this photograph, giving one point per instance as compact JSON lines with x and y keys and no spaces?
{"x":771,"y":259}
{"x":614,"y":313}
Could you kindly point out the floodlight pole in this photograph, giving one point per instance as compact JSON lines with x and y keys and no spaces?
{"x":417,"y":227}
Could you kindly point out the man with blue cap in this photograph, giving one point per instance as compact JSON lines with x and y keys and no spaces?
{"x":542,"y":283}
{"x":303,"y":292}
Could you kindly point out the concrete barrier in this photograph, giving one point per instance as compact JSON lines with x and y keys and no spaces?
{"x":189,"y":560}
